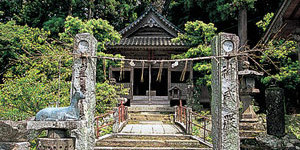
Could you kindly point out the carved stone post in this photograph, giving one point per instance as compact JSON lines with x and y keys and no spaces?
{"x":225,"y":93}
{"x":189,"y":121}
{"x":275,"y":111}
{"x":84,"y":80}
{"x":116,"y":118}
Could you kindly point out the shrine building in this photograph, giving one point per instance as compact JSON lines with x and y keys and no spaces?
{"x":149,"y":38}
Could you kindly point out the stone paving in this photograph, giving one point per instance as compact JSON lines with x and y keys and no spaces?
{"x":152,"y":127}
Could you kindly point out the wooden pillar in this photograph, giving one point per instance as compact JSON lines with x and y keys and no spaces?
{"x":169,"y":80}
{"x":225,"y":93}
{"x":191,"y":71}
{"x":131,"y":81}
{"x":149,"y":92}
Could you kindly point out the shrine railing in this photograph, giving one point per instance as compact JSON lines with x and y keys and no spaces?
{"x":192,"y":122}
{"x":116,"y":117}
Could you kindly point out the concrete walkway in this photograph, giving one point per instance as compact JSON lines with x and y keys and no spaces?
{"x":152,"y":127}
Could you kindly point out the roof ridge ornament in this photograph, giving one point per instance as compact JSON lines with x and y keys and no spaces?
{"x":151,"y":23}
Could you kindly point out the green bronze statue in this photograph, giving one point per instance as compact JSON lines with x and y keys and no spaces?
{"x":61,"y":113}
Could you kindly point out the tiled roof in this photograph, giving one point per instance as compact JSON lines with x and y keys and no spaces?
{"x":147,"y":41}
{"x":149,"y":9}
{"x":134,"y":37}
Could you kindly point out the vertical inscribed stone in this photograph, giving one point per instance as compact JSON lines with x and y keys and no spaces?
{"x":225,"y":93}
{"x":84,"y":80}
{"x":275,"y":111}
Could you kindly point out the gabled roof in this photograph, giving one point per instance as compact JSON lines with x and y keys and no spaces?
{"x":155,"y":19}
{"x":148,"y":41}
{"x":151,"y":29}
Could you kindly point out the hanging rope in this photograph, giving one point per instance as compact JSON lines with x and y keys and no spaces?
{"x":104,"y":68}
{"x":158,"y":78}
{"x":143,"y":67}
{"x":59,"y":68}
{"x":173,"y":60}
{"x":182,"y":77}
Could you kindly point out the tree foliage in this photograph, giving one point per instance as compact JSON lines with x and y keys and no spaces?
{"x":39,"y":71}
{"x":263,"y":24}
{"x":32,"y":80}
{"x":280,"y":60}
{"x":198,"y":35}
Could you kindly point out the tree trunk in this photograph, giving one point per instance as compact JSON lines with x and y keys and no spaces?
{"x":242,"y":26}
{"x":70,"y":8}
{"x":242,"y":31}
{"x":91,"y":7}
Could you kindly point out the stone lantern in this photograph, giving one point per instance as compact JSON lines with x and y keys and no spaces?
{"x":247,"y":91}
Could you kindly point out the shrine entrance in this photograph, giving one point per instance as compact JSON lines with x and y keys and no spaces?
{"x":141,"y":86}
{"x":153,"y":80}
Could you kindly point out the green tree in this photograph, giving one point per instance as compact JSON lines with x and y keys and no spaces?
{"x":198,"y":35}
{"x":33,"y":76}
{"x":280,"y":62}
{"x":38,"y":71}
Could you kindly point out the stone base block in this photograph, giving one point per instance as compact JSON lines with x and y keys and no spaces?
{"x":14,"y":145}
{"x":56,"y":144}
{"x":45,"y":125}
{"x":13,"y":131}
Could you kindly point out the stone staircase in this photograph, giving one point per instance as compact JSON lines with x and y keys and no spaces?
{"x":150,"y":129}
{"x":154,"y":109}
{"x":146,"y":117}
{"x":150,"y":142}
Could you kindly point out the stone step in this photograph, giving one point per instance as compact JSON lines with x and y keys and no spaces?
{"x":152,"y":102}
{"x":149,"y":142}
{"x":151,"y":108}
{"x":151,"y":128}
{"x":150,"y":117}
{"x":150,"y":148}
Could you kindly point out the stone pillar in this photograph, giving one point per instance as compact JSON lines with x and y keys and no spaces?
{"x":84,"y":80}
{"x":189,"y":129}
{"x":275,"y":111}
{"x":225,"y":93}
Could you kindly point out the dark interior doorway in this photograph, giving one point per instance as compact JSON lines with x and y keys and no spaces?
{"x":139,"y":87}
{"x":161,"y":87}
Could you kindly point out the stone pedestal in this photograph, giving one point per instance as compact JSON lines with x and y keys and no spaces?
{"x":58,"y":134}
{"x":225,"y":93}
{"x":56,"y":144}
{"x":275,"y":111}
{"x":248,"y":114}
